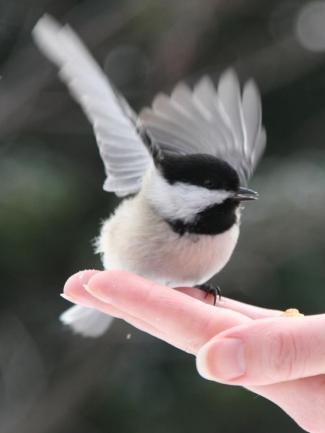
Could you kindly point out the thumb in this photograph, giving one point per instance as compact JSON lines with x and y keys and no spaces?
{"x":266,"y":351}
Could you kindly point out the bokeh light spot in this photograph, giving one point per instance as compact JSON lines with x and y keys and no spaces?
{"x":310,"y":26}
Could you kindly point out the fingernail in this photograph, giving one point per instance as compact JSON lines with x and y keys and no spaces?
{"x":66,"y":297}
{"x":223,"y":359}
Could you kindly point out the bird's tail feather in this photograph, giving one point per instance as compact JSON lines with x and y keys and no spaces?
{"x":86,"y":321}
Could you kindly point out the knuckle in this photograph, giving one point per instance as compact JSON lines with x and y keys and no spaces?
{"x":285,"y":359}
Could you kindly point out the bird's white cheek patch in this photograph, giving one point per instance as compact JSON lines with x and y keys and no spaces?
{"x":180,"y":200}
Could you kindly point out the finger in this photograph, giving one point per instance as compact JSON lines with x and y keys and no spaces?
{"x":266,"y":351}
{"x":75,"y":292}
{"x":249,"y":310}
{"x":246,"y":309}
{"x":302,"y":399}
{"x":188,"y":323}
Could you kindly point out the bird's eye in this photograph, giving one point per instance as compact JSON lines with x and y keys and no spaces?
{"x":208,"y":183}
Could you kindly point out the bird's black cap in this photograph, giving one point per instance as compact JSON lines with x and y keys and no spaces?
{"x":200,"y":170}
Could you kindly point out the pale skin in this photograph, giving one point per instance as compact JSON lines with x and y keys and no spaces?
{"x":278,"y":357}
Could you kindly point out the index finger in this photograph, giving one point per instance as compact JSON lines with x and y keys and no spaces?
{"x":188,"y":322}
{"x":246,"y":309}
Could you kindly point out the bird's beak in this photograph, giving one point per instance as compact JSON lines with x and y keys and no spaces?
{"x":245,"y":194}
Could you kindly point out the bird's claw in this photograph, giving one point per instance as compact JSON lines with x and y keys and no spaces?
{"x":208,"y":289}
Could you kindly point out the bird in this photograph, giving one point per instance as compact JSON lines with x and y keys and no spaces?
{"x":180,"y":167}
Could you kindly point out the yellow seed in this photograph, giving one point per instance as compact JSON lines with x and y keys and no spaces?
{"x":292,"y":312}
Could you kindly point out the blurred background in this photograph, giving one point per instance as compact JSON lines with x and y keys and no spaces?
{"x":52,"y":202}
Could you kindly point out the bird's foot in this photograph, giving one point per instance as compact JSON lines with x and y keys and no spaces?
{"x":209,"y":289}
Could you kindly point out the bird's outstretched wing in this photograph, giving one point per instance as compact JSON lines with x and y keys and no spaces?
{"x":222,"y":122}
{"x":124,"y":154}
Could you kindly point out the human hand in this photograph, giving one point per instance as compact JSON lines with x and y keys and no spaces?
{"x":281,"y":358}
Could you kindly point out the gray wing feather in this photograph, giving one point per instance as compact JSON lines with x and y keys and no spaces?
{"x":221,"y":122}
{"x":252,"y":110}
{"x":125,"y":156}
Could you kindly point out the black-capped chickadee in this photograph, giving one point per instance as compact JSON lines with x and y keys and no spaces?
{"x":183,"y":166}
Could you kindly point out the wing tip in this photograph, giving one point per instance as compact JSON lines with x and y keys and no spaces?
{"x":251,"y":88}
{"x":229,"y":75}
{"x":206,"y":83}
{"x":46,"y":34}
{"x":45,"y":25}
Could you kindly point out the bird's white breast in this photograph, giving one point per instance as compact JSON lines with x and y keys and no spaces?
{"x":138,"y":240}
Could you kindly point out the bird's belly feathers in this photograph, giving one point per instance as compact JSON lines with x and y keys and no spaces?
{"x":137,"y":240}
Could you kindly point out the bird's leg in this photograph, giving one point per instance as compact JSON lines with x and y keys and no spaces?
{"x":210,"y":289}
